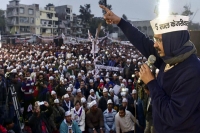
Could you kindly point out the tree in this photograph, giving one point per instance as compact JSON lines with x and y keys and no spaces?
{"x":124,"y":17}
{"x":2,"y":21}
{"x":50,"y":4}
{"x":85,"y":13}
{"x":187,"y":11}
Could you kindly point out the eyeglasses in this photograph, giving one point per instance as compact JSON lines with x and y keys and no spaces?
{"x":158,"y":40}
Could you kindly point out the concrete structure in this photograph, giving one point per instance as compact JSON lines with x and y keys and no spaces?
{"x":48,"y":21}
{"x":145,"y":27}
{"x":21,"y":18}
{"x":76,"y":26}
{"x":65,"y":17}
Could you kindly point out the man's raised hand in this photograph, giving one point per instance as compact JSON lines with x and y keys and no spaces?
{"x":110,"y":17}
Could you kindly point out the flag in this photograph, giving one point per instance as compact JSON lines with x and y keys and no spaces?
{"x":63,"y":36}
{"x":90,"y":37}
{"x":0,"y":41}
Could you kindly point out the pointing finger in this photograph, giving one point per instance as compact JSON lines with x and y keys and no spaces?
{"x":104,"y":8}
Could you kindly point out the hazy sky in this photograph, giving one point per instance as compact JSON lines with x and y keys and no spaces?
{"x":133,"y":9}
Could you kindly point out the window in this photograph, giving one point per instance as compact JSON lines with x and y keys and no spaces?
{"x":24,"y":20}
{"x":30,"y":11}
{"x":21,"y":10}
{"x":67,"y":10}
{"x":49,"y":15}
{"x":25,"y":29}
{"x":32,"y":20}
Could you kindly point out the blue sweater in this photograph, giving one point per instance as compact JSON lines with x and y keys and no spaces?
{"x":64,"y":127}
{"x":176,"y":93}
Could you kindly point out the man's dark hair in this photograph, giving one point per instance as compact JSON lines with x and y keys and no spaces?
{"x":122,"y":108}
{"x":7,"y":122}
{"x":77,"y":101}
{"x":40,"y":75}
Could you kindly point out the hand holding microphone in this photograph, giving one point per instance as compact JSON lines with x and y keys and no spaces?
{"x":145,"y":72}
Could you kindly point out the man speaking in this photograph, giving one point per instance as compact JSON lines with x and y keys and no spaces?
{"x":175,"y":92}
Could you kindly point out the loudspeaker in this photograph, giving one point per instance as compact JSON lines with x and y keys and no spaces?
{"x":56,"y":42}
{"x":195,"y":38}
{"x":60,"y":42}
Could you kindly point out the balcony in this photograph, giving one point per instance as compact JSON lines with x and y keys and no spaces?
{"x":12,"y":22}
{"x":12,"y":6}
{"x":49,"y":26}
{"x":74,"y":25}
{"x":11,"y":14}
{"x":55,"y":26}
{"x":79,"y":32}
{"x":79,"y":26}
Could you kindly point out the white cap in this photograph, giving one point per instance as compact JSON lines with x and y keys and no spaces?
{"x":128,"y":60}
{"x":14,"y":71}
{"x":27,"y":84}
{"x":92,"y":103}
{"x":120,"y":77}
{"x":79,"y":90}
{"x":134,"y":91}
{"x":82,"y":71}
{"x":124,"y":80}
{"x":105,"y":90}
{"x":83,"y":100}
{"x":56,"y":71}
{"x":68,"y":113}
{"x":71,"y":85}
{"x":51,"y":78}
{"x":66,"y":96}
{"x":56,"y":101}
{"x":68,"y":89}
{"x":109,"y":101}
{"x":171,"y":23}
{"x":53,"y":92}
{"x":79,"y":74}
{"x":111,"y":90}
{"x":91,"y":81}
{"x":115,"y":75}
{"x":124,"y":100}
{"x":107,"y":79}
{"x":101,"y":81}
{"x":20,"y":73}
{"x":91,"y":90}
{"x":134,"y":60}
{"x":129,"y":80}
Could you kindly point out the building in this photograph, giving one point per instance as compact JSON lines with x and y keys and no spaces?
{"x":143,"y":26}
{"x":65,"y":18}
{"x":20,"y":18}
{"x":76,"y":26}
{"x":47,"y":24}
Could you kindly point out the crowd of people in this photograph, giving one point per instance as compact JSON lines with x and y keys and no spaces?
{"x":58,"y":89}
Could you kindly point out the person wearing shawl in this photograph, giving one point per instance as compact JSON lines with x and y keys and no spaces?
{"x":78,"y":115}
{"x":69,"y":126}
{"x":175,"y":91}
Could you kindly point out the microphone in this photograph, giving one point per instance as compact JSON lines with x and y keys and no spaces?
{"x":151,"y":60}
